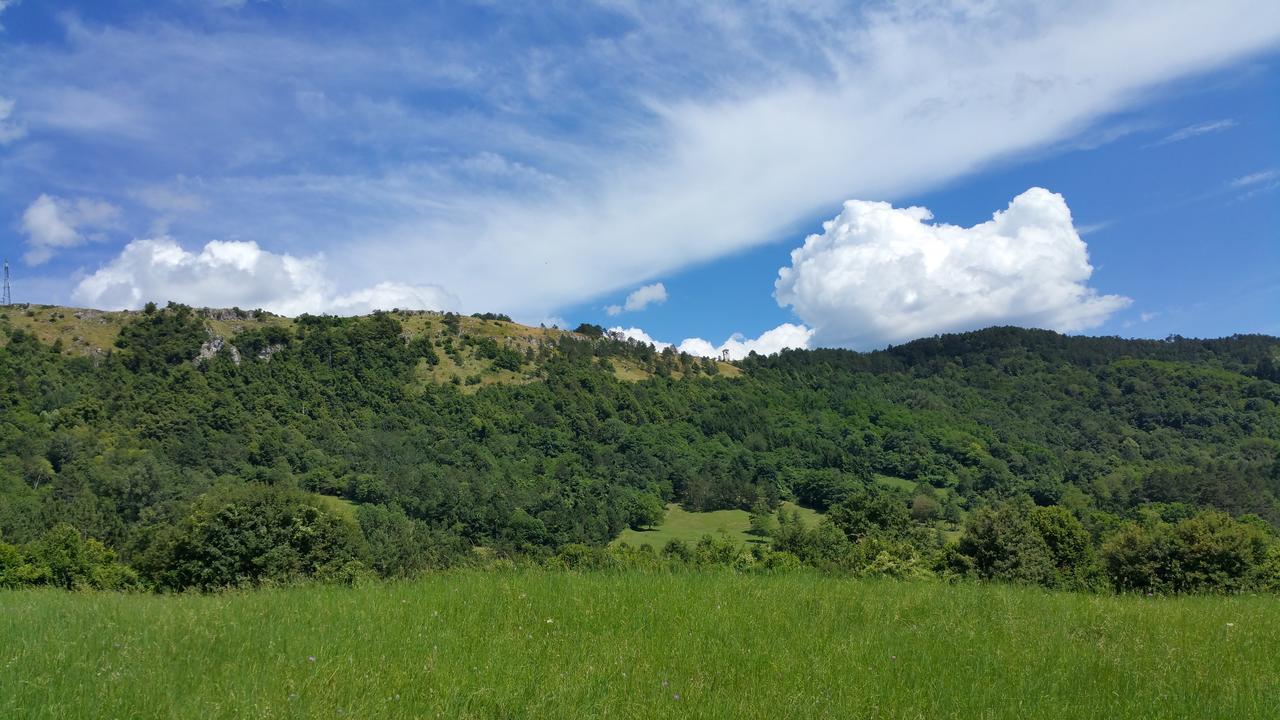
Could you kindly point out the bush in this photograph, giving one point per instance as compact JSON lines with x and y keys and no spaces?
{"x":252,"y":535}
{"x":63,"y":558}
{"x":1210,"y":552}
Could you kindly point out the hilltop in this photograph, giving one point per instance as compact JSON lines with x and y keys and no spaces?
{"x":93,"y":333}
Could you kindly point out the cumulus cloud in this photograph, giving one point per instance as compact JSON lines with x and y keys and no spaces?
{"x":782,"y":337}
{"x":638,"y":335}
{"x":786,"y":335}
{"x":234,"y":273}
{"x":641,"y":299}
{"x":52,"y":224}
{"x":879,"y":274}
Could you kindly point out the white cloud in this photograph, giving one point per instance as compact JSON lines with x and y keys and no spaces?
{"x":1197,"y":130}
{"x":9,"y":130}
{"x":1148,"y":316}
{"x":53,"y":224}
{"x":638,"y":335}
{"x":390,"y":295}
{"x":680,"y":152}
{"x":912,"y":99}
{"x":640,"y":299}
{"x":1256,"y":178}
{"x":879,"y":274}
{"x":1255,"y":184}
{"x":784,"y":336}
{"x":234,"y":273}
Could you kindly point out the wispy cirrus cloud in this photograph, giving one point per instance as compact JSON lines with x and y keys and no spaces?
{"x":1255,"y":184}
{"x":1258,"y":178}
{"x":1191,"y":131}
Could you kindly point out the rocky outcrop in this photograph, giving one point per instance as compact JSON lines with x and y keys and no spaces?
{"x":215,"y":345}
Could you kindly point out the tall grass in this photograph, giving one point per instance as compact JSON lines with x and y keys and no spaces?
{"x":532,"y":644}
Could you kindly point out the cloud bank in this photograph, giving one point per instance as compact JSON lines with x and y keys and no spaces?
{"x":780,"y":338}
{"x":53,"y":224}
{"x":654,"y":294}
{"x":233,"y":273}
{"x":879,"y":274}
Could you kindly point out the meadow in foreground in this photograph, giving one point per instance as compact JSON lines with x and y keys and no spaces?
{"x":544,"y":644}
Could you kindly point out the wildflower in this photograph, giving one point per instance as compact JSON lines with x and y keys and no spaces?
{"x":676,"y":696}
{"x":311,"y":658}
{"x":549,"y":621}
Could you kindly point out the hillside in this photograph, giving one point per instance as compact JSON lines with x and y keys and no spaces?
{"x":181,"y":448}
{"x":93,"y":333}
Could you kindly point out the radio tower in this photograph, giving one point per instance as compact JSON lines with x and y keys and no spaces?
{"x":8,"y":295}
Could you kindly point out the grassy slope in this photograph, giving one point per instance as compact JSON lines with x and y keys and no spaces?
{"x":691,"y":526}
{"x":712,"y":645}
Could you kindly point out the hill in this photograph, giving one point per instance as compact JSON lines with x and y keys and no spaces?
{"x":93,"y":333}
{"x":178,"y":448}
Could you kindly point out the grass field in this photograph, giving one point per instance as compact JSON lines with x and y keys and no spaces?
{"x":540,"y":644}
{"x":691,"y":526}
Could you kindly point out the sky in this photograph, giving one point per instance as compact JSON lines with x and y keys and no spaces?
{"x":719,"y":176}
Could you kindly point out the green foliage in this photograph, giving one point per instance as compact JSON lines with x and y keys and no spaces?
{"x":1209,"y":552}
{"x":249,"y":535}
{"x":400,"y":546}
{"x":62,"y":558}
{"x":162,"y":339}
{"x":1087,"y":437}
{"x":868,"y":511}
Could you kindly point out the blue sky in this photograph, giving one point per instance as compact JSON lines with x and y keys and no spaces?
{"x":550,"y":160}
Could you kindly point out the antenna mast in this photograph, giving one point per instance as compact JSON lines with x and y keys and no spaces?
{"x":7,"y":298}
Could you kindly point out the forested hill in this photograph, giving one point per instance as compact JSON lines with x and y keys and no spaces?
{"x":182,"y":448}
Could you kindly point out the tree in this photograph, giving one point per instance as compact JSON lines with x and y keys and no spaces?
{"x":644,"y":510}
{"x":762,"y":520}
{"x":253,"y":534}
{"x":925,"y":509}
{"x":870,"y":511}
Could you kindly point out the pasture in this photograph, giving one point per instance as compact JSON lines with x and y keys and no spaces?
{"x":543,"y":644}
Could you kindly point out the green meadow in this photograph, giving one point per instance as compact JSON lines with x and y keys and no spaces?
{"x":689,"y":527}
{"x":544,"y":644}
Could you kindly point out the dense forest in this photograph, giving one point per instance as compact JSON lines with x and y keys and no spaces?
{"x":315,"y":449}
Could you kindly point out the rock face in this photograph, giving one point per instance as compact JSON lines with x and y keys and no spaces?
{"x":224,"y":313}
{"x":267,"y":352}
{"x":215,"y":345}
